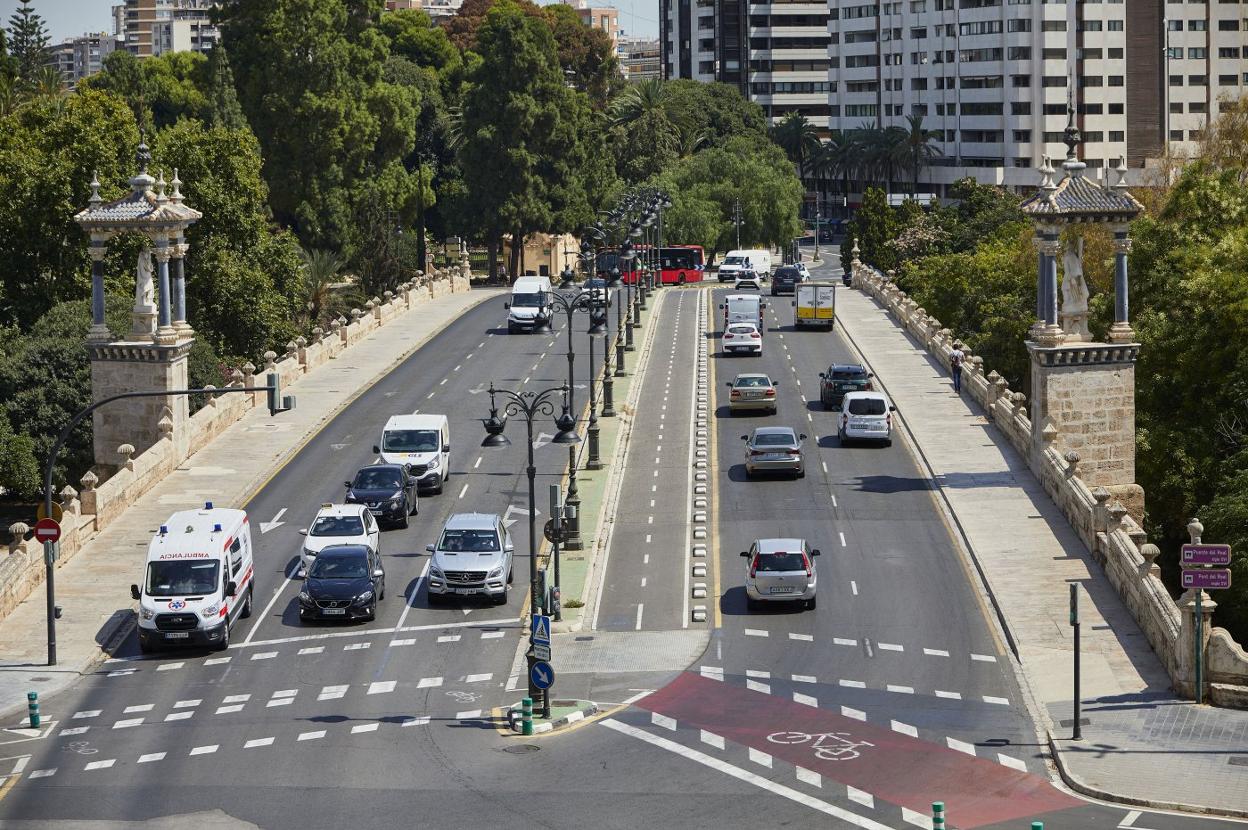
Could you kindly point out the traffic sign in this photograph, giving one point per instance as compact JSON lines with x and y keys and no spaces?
{"x":541,"y":652}
{"x":47,"y":530}
{"x":1207,"y":578}
{"x":542,"y":675}
{"x":1206,"y":555}
{"x":541,"y":630}
{"x":552,"y":533}
{"x":57,"y":511}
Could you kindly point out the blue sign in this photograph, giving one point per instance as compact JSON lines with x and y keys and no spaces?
{"x":542,"y":675}
{"x":541,"y":629}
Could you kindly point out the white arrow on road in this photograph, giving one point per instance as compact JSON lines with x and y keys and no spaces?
{"x":511,"y":508}
{"x":542,"y":439}
{"x":265,"y":527}
{"x":478,"y":389}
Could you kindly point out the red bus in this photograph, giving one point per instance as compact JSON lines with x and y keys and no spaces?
{"x":609,"y":259}
{"x":680,"y":264}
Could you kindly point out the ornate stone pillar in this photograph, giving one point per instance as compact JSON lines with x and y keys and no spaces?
{"x":1046,"y":330}
{"x":165,"y":334}
{"x":182,"y":327}
{"x":1120,"y":331}
{"x":99,"y":332}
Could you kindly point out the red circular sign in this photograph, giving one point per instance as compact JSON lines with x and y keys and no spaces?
{"x":47,"y":530}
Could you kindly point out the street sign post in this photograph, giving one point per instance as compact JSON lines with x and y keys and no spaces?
{"x":58,"y":512}
{"x":542,"y":675}
{"x":47,"y":531}
{"x":541,"y":652}
{"x":541,"y":629}
{"x":1207,"y":579}
{"x":1201,"y":579}
{"x":1074,"y":623}
{"x":1206,"y":555}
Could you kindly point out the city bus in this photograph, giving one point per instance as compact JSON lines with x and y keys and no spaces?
{"x":680,"y":264}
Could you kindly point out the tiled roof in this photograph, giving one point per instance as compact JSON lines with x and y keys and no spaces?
{"x":137,"y":209}
{"x":1077,"y":196}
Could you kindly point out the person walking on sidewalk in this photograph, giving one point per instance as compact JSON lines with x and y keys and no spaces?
{"x":956,"y":358}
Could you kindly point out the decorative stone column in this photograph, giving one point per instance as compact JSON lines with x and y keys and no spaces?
{"x":1121,"y":331}
{"x":1046,"y":330}
{"x":165,"y":333}
{"x":99,"y":332}
{"x":180,"y":325}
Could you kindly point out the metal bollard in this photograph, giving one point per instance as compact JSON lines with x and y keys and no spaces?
{"x":526,"y":716}
{"x":938,"y":815}
{"x":32,"y":707}
{"x":1037,"y":825}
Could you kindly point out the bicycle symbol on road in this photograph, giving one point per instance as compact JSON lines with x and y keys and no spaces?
{"x":464,"y":697}
{"x":81,"y":747}
{"x":828,"y":746}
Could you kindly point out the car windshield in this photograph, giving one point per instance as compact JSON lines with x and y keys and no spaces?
{"x":337,"y":526}
{"x":377,"y":480}
{"x":410,"y":440}
{"x":596,"y":284}
{"x":849,"y":374}
{"x":867,"y":406}
{"x":476,"y":541}
{"x":774,"y":439}
{"x":534,"y":300}
{"x":779,"y":562}
{"x":785,"y":274}
{"x":734,"y":260}
{"x":754,"y":382}
{"x":182,"y":577}
{"x":339,"y":566}
{"x":741,"y":329}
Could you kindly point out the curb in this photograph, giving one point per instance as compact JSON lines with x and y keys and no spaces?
{"x":1080,"y":786}
{"x":587,"y":711}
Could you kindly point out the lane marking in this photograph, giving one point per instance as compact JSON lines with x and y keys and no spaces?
{"x":129,"y":722}
{"x":258,"y":742}
{"x":312,"y":650}
{"x":852,"y":684}
{"x":311,"y":736}
{"x":761,"y":675}
{"x":77,"y":730}
{"x":429,"y":682}
{"x":237,"y":699}
{"x":471,"y":714}
{"x":1012,"y":763}
{"x":381,"y":687}
{"x":280,"y":701}
{"x":805,"y":700}
{"x":806,"y":638}
{"x":364,"y":727}
{"x":960,"y":746}
{"x":478,"y":464}
{"x":129,"y":710}
{"x":842,"y":535}
{"x":853,"y":586}
{"x":948,"y":695}
{"x":756,"y":632}
{"x":804,"y":678}
{"x":1127,"y":820}
{"x":478,"y":678}
{"x":904,"y":728}
{"x":807,"y":776}
{"x":47,"y":773}
{"x":406,"y":641}
{"x":332,"y":692}
{"x":889,"y":647}
{"x":420,"y":721}
{"x":712,"y":739}
{"x":286,"y":693}
{"x":663,"y":721}
{"x":356,"y":646}
{"x":264,"y":655}
{"x":760,"y":758}
{"x":178,"y":716}
{"x":449,"y":638}
{"x":492,"y":635}
{"x":841,"y":641}
{"x":463,"y":490}
{"x":170,"y":666}
{"x":997,"y":700}
{"x":755,"y":686}
{"x":935,"y":652}
{"x":229,"y":710}
{"x":640,"y":608}
{"x":205,"y":750}
{"x":187,"y":704}
{"x":100,"y":764}
{"x":856,"y":714}
{"x":902,"y":690}
{"x":984,"y":658}
{"x":216,"y":661}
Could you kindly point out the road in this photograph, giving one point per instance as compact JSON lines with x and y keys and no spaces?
{"x":898,"y":690}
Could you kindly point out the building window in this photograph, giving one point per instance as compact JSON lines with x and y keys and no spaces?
{"x":1228,"y":25}
{"x":1115,"y":54}
{"x":1197,"y":25}
{"x":1176,"y":135}
{"x":1022,"y":136}
{"x":981,"y":82}
{"x":921,"y":83}
{"x":1113,"y":26}
{"x":862,"y":86}
{"x":1020,"y":81}
{"x":1197,"y":106}
{"x":1088,"y":54}
{"x":1117,"y":135}
{"x":983,"y":136}
{"x":1091,"y":109}
{"x":1020,"y":108}
{"x":1019,"y":53}
{"x":1095,"y":137}
{"x":1091,"y":81}
{"x":1116,"y":80}
{"x":981,"y":27}
{"x":918,"y":6}
{"x":1174,"y":25}
{"x":1115,"y":109}
{"x":979,"y":55}
{"x":918,"y":32}
{"x":1228,"y":80}
{"x":1054,"y":138}
{"x":1054,"y":109}
{"x":1228,"y":52}
{"x":1022,"y":162}
{"x":1053,"y":81}
{"x":1175,"y":53}
{"x":1019,"y":25}
{"x":1090,"y":26}
{"x":918,"y":110}
{"x":860,"y":61}
{"x":1053,"y":26}
{"x":1176,"y":80}
{"x":860,"y":36}
{"x":1197,"y":52}
{"x":1198,"y":80}
{"x":1054,"y":54}
{"x":1195,"y":135}
{"x":861,"y":110}
{"x":982,"y":108}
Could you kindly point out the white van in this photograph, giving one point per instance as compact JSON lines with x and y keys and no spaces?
{"x":754,"y":260}
{"x":198,"y":580}
{"x":422,"y":444}
{"x":743,"y":308}
{"x":529,"y":308}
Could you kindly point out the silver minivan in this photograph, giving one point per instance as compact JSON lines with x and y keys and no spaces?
{"x":471,"y":558}
{"x":780,"y":570}
{"x":866,"y":416}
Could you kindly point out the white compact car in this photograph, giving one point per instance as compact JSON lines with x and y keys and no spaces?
{"x":742,"y":337}
{"x":748,"y":279}
{"x":866,"y":416}
{"x":339,"y":524}
{"x":780,"y":570}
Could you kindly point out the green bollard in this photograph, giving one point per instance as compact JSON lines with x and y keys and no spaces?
{"x":32,"y":707}
{"x":938,"y":815}
{"x":1037,"y":825}
{"x":526,"y":716}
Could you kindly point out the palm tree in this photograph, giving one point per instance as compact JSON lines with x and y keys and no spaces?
{"x":690,"y":139}
{"x":883,"y":153}
{"x":798,"y":138}
{"x":637,"y":100}
{"x":320,"y":270}
{"x":920,"y":148}
{"x":839,"y":159}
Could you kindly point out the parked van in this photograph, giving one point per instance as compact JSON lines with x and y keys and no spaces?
{"x":743,"y":308}
{"x":198,"y":579}
{"x":421,"y":444}
{"x":529,"y":308}
{"x":755,"y":260}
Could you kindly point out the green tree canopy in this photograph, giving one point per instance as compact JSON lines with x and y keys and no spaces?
{"x":28,"y":40}
{"x":160,"y":89}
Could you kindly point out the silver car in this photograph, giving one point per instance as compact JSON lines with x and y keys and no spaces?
{"x":774,"y":450}
{"x":751,"y":390}
{"x":780,"y":570}
{"x":472,"y":557}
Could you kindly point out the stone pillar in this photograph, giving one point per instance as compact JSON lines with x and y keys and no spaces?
{"x":165,"y":333}
{"x":1120,"y":331}
{"x":99,"y":332}
{"x":179,"y":291}
{"x":137,"y":367}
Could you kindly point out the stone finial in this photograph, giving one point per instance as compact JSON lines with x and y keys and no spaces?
{"x":389,"y":295}
{"x":301,"y":341}
{"x":356,"y":314}
{"x":1137,"y":534}
{"x":161,"y":184}
{"x":1020,"y":402}
{"x":292,"y":348}
{"x":1048,"y":434}
{"x":212,"y":399}
{"x":68,"y":494}
{"x":17,"y":535}
{"x":249,"y":369}
{"x":1072,"y":462}
{"x":934,"y":323}
{"x":318,"y":334}
{"x":334,"y":325}
{"x":176,"y":197}
{"x":1115,"y":513}
{"x":342,"y":321}
{"x":976,"y":363}
{"x":1150,"y":552}
{"x":88,"y":481}
{"x":270,"y":359}
{"x":1121,"y":170}
{"x":236,"y":378}
{"x":891,"y":274}
{"x":1194,"y":529}
{"x":369,"y":306}
{"x":165,"y":424}
{"x":95,"y":200}
{"x":125,"y":451}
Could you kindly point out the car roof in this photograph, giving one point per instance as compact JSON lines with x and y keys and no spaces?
{"x":848,"y":367}
{"x":429,"y":421}
{"x":775,"y":431}
{"x":752,"y":375}
{"x":471,"y":521}
{"x":395,"y":467}
{"x":341,"y":510}
{"x":787,"y":545}
{"x":743,"y":324}
{"x":346,"y":549}
{"x":865,"y":395}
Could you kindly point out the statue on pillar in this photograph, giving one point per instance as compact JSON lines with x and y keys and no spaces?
{"x":1074,"y":319}
{"x":144,"y":314}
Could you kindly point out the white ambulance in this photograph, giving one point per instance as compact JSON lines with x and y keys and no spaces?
{"x":198,"y":580}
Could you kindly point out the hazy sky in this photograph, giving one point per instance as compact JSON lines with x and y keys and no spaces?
{"x":68,"y":18}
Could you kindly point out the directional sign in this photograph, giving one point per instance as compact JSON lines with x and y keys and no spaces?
{"x":541,"y":652}
{"x":551,"y":533}
{"x":1207,"y":578}
{"x":541,"y":629}
{"x":48,"y":530}
{"x":57,"y":511}
{"x":1206,"y":554}
{"x":542,"y":675}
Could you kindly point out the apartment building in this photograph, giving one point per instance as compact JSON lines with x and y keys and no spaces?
{"x":153,"y":27}
{"x":639,"y":58}
{"x":606,"y":18}
{"x":1205,"y":61}
{"x":80,"y":57}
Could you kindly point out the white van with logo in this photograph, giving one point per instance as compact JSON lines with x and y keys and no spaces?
{"x":743,"y":308}
{"x":422,"y":444}
{"x":198,"y":580}
{"x":529,"y":307}
{"x":755,"y":261}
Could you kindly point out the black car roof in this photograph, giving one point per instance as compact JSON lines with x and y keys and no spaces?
{"x":848,"y":367}
{"x":343,"y":550}
{"x":395,"y":467}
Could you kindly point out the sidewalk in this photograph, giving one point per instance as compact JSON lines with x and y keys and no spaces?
{"x":1141,"y":745}
{"x":93,"y":587}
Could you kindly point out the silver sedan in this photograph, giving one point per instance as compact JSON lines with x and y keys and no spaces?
{"x":774,"y":450}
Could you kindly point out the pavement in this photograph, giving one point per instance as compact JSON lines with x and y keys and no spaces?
{"x":1140,"y":743}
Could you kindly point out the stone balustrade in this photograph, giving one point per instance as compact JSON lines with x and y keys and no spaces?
{"x":98,"y":504}
{"x":1114,"y":539}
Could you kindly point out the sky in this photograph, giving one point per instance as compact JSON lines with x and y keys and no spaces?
{"x":69,"y":18}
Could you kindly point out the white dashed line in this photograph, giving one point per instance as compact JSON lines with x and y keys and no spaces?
{"x":169,"y":666}
{"x":663,"y":721}
{"x":237,"y":699}
{"x":382,"y":687}
{"x":755,"y":686}
{"x":755,"y":632}
{"x":935,"y":652}
{"x":856,"y":714}
{"x":405,"y":641}
{"x":312,"y":650}
{"x":286,"y":693}
{"x":47,"y":773}
{"x":463,"y":490}
{"x":216,"y":661}
{"x":264,"y":655}
{"x":806,"y":638}
{"x":491,"y":635}
{"x":355,"y":646}
{"x":478,"y":678}
{"x":904,"y":728}
{"x":805,"y":700}
{"x":126,"y":724}
{"x":901,"y":690}
{"x":1012,"y":763}
{"x":852,"y":684}
{"x":841,"y":641}
{"x":984,"y":658}
{"x":205,"y":750}
{"x":229,"y":710}
{"x":258,"y":742}
{"x":178,"y":716}
{"x":842,"y":535}
{"x":859,"y":797}
{"x":853,"y":586}
{"x":365,"y":727}
{"x":478,"y":464}
{"x":77,"y":730}
{"x":471,"y":714}
{"x":332,"y":692}
{"x":960,"y":746}
{"x":130,"y":710}
{"x":948,"y":695}
{"x":311,"y":736}
{"x":890,"y":647}
{"x":449,"y":638}
{"x":100,"y":764}
{"x":804,"y":678}
{"x":1000,"y":701}
{"x":760,"y":758}
{"x":187,"y":704}
{"x":429,"y":682}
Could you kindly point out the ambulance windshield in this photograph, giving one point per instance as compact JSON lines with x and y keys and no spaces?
{"x":182,"y":577}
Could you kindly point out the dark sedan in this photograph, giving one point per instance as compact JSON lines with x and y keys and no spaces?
{"x":387,"y":490}
{"x":842,"y":378}
{"x":344,"y":583}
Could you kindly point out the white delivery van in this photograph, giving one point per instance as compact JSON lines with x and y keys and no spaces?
{"x":743,"y":308}
{"x":753,"y":260}
{"x":529,"y":307}
{"x":198,"y":580}
{"x":815,"y":305}
{"x":422,"y":444}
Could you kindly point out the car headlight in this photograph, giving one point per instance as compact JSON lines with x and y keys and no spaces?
{"x":434,"y":464}
{"x":146,"y":613}
{"x":436,"y":573}
{"x":497,"y":571}
{"x":210,"y":612}
{"x":364,"y":597}
{"x":310,"y":553}
{"x":304,"y":596}
{"x":395,"y":501}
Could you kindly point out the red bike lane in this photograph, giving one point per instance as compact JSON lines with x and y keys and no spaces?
{"x":891,"y":766}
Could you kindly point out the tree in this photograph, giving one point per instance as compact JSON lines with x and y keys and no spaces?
{"x":718,"y":108}
{"x":221,"y":101}
{"x":28,"y":40}
{"x":585,"y":55}
{"x":8,"y":63}
{"x":160,"y":89}
{"x":798,"y":138}
{"x":838,"y":159}
{"x":920,"y":148}
{"x":321,"y":269}
{"x":645,"y":147}
{"x":872,"y":227}
{"x":637,"y":101}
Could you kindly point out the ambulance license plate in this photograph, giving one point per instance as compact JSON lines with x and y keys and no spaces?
{"x":177,"y":635}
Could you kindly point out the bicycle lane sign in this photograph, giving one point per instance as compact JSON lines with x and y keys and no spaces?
{"x":893,"y":767}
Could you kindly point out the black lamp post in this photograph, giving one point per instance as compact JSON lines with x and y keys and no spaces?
{"x":569,"y":304}
{"x":530,"y":405}
{"x":631,"y":323}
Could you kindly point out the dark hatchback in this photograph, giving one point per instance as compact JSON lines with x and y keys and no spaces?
{"x":344,"y":583}
{"x":785,"y":281}
{"x":842,"y":378}
{"x":386,"y":490}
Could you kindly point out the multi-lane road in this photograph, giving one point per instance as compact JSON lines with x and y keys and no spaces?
{"x":898,"y":690}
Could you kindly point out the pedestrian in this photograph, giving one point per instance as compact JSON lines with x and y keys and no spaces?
{"x":956,"y":358}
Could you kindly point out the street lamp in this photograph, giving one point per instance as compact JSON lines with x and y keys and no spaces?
{"x":635,"y":233}
{"x":530,"y":405}
{"x":619,"y":325}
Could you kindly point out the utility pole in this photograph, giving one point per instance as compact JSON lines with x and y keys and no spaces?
{"x":736,"y":218}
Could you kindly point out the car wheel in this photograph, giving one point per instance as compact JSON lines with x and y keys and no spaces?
{"x":499,"y":599}
{"x":372,"y":612}
{"x":510,"y":575}
{"x":145,"y":646}
{"x":382,"y":595}
{"x":810,"y":604}
{"x":888,"y":442}
{"x":775,"y":410}
{"x":251,"y":593}
{"x":225,"y":638}
{"x":434,"y":599}
{"x":404,"y":521}
{"x":751,"y":604}
{"x":801,"y":473}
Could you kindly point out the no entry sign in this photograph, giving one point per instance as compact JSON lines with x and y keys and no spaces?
{"x":48,"y":530}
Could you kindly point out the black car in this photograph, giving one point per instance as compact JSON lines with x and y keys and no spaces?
{"x":387,"y":490}
{"x":344,"y":583}
{"x":842,"y":378}
{"x":785,"y":280}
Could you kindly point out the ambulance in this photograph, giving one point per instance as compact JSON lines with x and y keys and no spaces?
{"x":198,"y":580}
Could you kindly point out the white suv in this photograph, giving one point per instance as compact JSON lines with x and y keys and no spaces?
{"x":747,"y":279}
{"x":339,"y":524}
{"x":472,"y":557}
{"x":866,"y":416}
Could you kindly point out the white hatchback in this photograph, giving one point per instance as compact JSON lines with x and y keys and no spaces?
{"x":780,"y":570}
{"x":742,"y":337}
{"x":748,"y":279}
{"x":866,"y":416}
{"x":339,"y":524}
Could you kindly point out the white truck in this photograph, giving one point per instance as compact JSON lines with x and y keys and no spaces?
{"x":756,"y":261}
{"x":815,"y":305}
